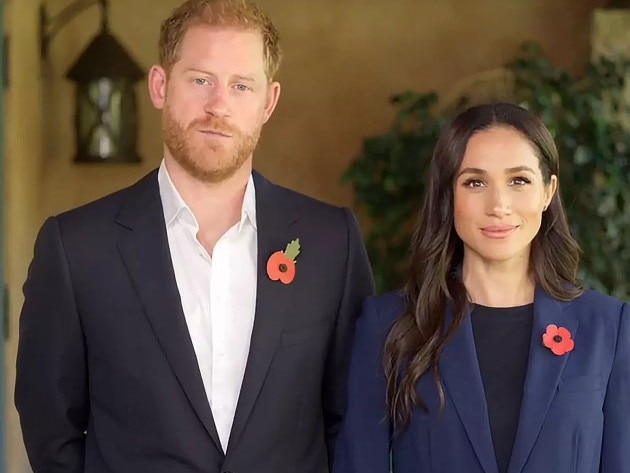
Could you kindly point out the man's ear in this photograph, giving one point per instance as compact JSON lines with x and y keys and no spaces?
{"x":273,"y":94}
{"x":156,"y":81}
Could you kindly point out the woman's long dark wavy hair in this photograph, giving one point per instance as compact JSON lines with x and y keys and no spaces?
{"x":416,"y":340}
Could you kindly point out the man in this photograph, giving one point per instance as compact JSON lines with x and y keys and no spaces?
{"x":199,"y":320}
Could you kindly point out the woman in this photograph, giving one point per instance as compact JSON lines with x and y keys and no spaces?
{"x":493,"y":359}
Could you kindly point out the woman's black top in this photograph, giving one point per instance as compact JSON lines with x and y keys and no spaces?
{"x":502,"y":337}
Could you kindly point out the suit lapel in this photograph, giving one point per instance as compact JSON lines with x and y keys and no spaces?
{"x":461,"y":375}
{"x":274,"y":216}
{"x":146,"y":255}
{"x":543,"y":374}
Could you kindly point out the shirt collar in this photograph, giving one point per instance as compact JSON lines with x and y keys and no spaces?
{"x":173,"y":205}
{"x":248,"y":212}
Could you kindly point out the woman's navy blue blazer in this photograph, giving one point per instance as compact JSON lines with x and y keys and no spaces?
{"x":575,"y":411}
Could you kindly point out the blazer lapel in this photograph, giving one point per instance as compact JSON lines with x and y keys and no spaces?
{"x":274,"y":216}
{"x":543,"y":374}
{"x":460,"y":372}
{"x":146,"y":255}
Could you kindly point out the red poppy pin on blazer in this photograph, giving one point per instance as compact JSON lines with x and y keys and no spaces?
{"x":558,"y":340}
{"x":281,"y":264}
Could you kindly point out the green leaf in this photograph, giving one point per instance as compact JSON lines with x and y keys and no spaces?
{"x":293,"y":249}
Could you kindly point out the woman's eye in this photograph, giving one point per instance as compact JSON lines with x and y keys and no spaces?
{"x":520,"y":181}
{"x":473,"y":183}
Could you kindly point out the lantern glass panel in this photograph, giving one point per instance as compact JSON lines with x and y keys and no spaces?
{"x":106,"y":121}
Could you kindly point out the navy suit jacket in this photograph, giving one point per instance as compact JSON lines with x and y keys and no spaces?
{"x":575,"y":413}
{"x":107,"y":377}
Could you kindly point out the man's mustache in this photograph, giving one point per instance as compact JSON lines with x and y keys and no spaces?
{"x":215,"y":124}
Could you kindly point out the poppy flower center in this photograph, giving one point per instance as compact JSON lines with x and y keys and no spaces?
{"x":557,"y":339}
{"x":283,"y":268}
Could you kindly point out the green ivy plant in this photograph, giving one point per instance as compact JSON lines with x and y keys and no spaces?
{"x":585,"y":114}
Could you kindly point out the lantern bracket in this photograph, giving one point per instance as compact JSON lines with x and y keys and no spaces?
{"x":50,"y":26}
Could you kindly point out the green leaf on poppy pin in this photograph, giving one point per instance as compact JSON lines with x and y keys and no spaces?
{"x":293,"y":249}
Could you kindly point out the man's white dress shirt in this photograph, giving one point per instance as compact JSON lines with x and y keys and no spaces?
{"x":218,"y":295}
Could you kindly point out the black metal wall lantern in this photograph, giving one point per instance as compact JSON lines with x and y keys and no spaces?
{"x":106,"y":113}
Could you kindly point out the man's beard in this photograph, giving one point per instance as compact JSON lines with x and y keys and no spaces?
{"x":207,"y":159}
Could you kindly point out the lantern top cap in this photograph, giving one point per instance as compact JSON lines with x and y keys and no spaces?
{"x":104,"y":57}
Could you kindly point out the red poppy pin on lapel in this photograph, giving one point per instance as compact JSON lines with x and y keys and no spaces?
{"x":558,"y":340}
{"x":281,"y":264}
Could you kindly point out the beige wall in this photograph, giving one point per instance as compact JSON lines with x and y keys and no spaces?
{"x":343,"y":59}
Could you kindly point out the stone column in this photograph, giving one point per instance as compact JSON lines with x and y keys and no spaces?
{"x":610,"y":37}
